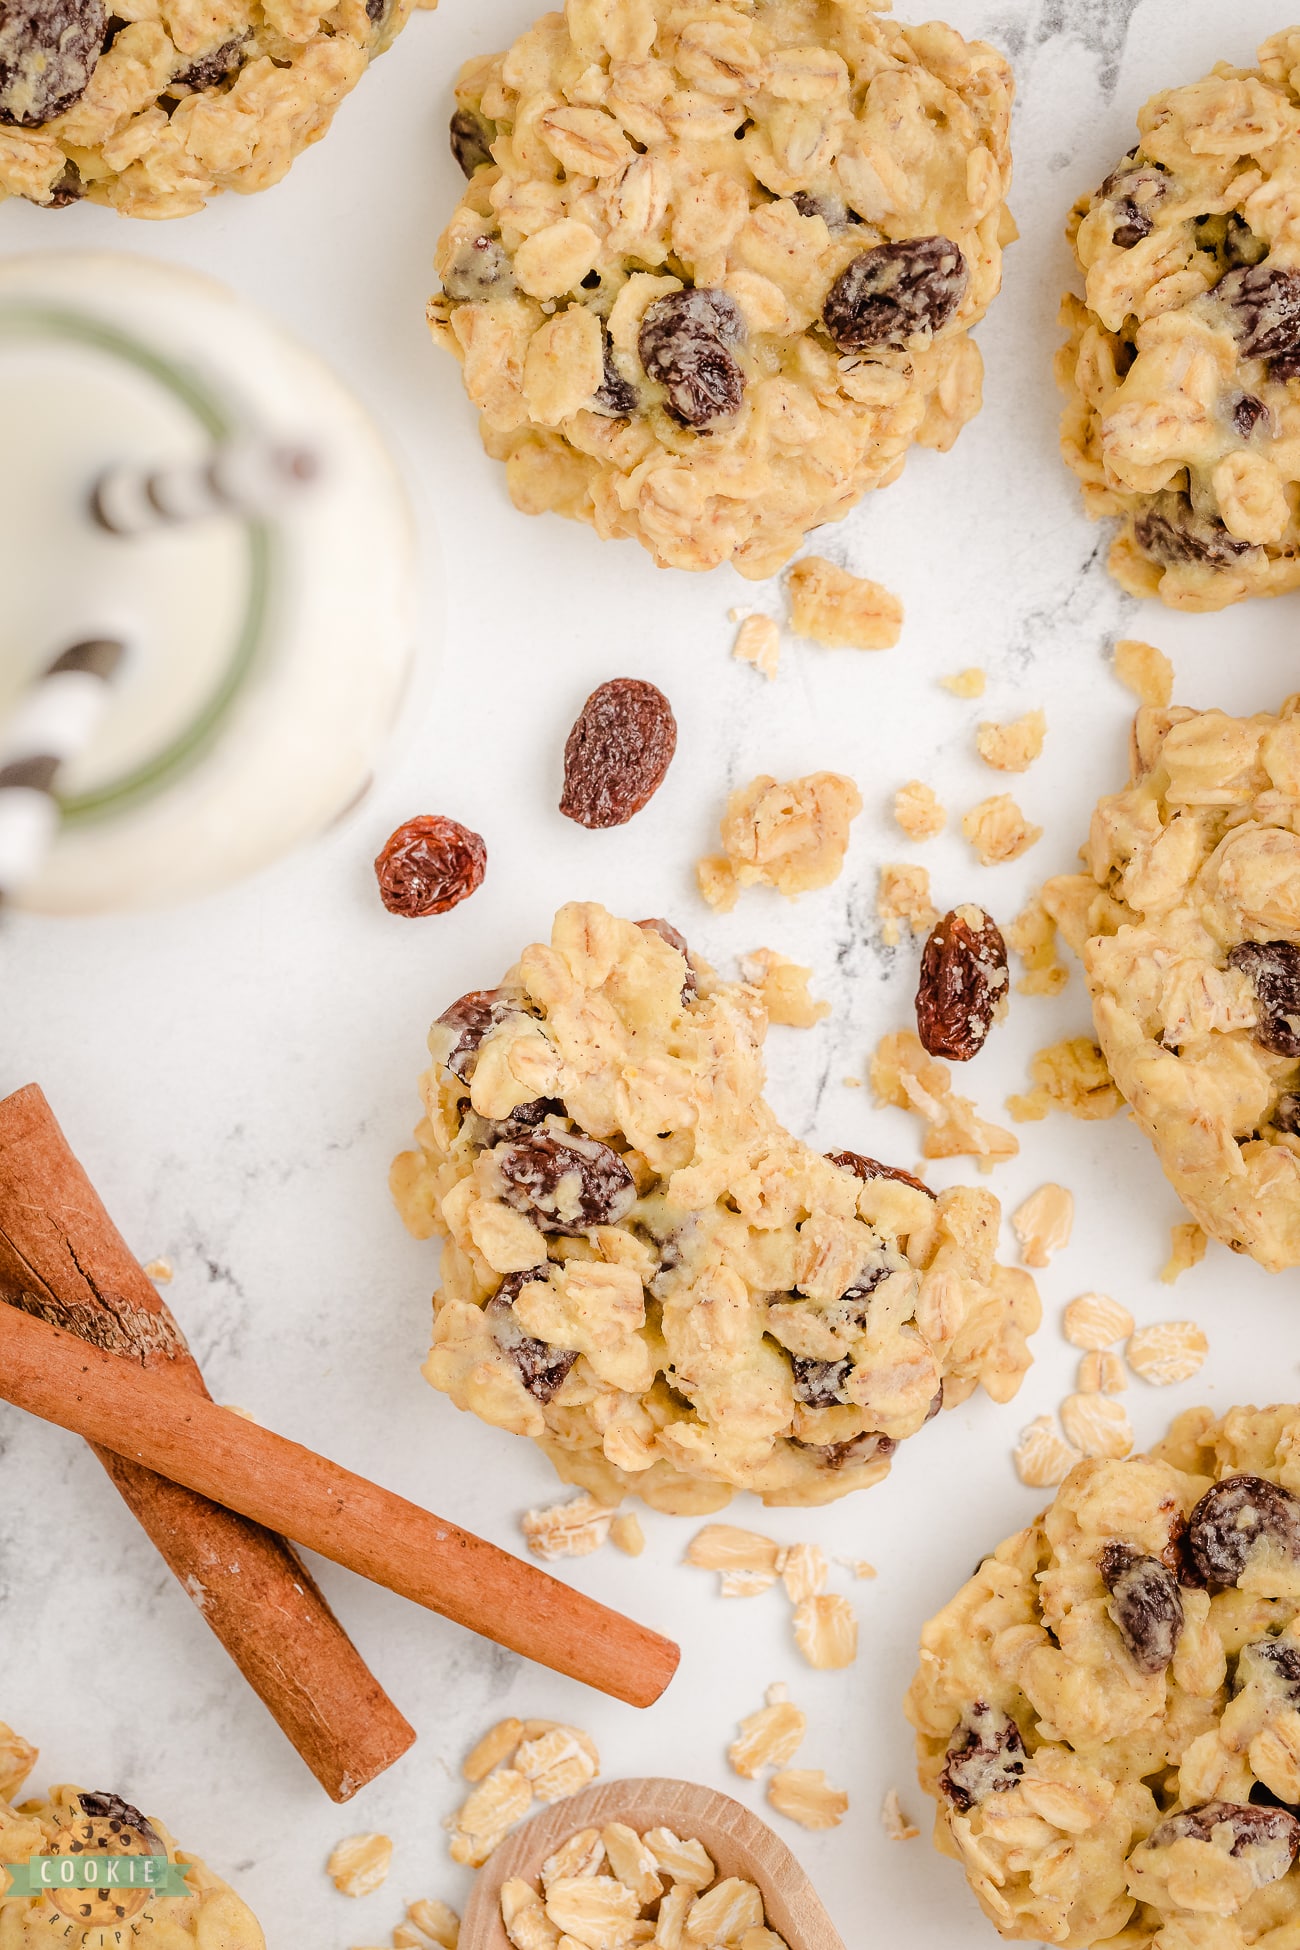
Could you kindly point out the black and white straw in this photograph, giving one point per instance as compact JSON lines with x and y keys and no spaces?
{"x":251,"y":478}
{"x":54,"y":723}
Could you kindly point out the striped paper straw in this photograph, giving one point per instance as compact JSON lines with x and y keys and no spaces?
{"x":244,"y":477}
{"x":54,"y":723}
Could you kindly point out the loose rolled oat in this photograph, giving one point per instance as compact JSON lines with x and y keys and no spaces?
{"x":724,"y":1547}
{"x":497,"y":1744}
{"x":1096,"y":1425}
{"x":768,"y":1738}
{"x":1144,"y":670}
{"x":826,"y":1631}
{"x":998,"y":830}
{"x":428,"y":1922}
{"x":803,"y":1571}
{"x":649,"y":1276}
{"x":758,"y":642}
{"x":517,"y":1761}
{"x":804,"y":1795}
{"x":1043,"y":1456}
{"x":918,"y":811}
{"x":1012,"y":747}
{"x":1071,"y":1076}
{"x":1043,"y":1223}
{"x":1114,"y":1690}
{"x":1094,"y":1320}
{"x":626,"y":1534}
{"x":792,"y":837}
{"x":1101,"y":1372}
{"x":360,"y":1864}
{"x":903,"y":894}
{"x":840,"y":610}
{"x":783,"y":986}
{"x":572,"y":1529}
{"x":1172,"y":1350}
{"x":714,"y":273}
{"x":1187,"y":1245}
{"x":903,"y":1075}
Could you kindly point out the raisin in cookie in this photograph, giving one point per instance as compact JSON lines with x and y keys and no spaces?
{"x":71,"y":1821}
{"x":1108,"y":1713}
{"x":152,"y":106}
{"x":645,"y":1273}
{"x":1188,"y":924}
{"x":1182,"y":370}
{"x":716,"y":265}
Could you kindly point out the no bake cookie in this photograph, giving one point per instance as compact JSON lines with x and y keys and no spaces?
{"x":1188,"y":924}
{"x":72,"y":1821}
{"x":152,"y":106}
{"x":1108,"y":1712}
{"x":716,"y":264}
{"x":645,"y":1273}
{"x":1182,"y":371}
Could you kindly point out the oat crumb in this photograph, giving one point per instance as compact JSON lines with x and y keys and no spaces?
{"x":852,"y":1083}
{"x":918,"y":811}
{"x":903,"y":894}
{"x":1187,"y":1245}
{"x":857,"y":1566}
{"x":1043,"y":1223}
{"x":1033,"y":936}
{"x":790,"y":836}
{"x":839,"y":610}
{"x":1012,"y":747}
{"x":1071,"y":1076}
{"x":898,"y":1826}
{"x":1144,"y":670}
{"x":783,"y":985}
{"x":626,"y":1535}
{"x":160,"y":1271}
{"x":998,"y":830}
{"x":903,"y":1075}
{"x":758,"y":641}
{"x":965,"y":683}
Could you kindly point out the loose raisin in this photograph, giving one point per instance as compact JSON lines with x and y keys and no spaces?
{"x":429,"y":866}
{"x":565,"y":1182}
{"x":1235,"y":1515}
{"x":543,"y":1369}
{"x":819,"y":1384}
{"x":1145,"y":1604}
{"x":1273,"y":1665}
{"x":1264,"y":301}
{"x":675,"y":939}
{"x":685,"y":345}
{"x":868,"y":1168}
{"x":987,"y":1756}
{"x":471,"y":140}
{"x":48,"y":51}
{"x":1269,"y":1836}
{"x":1169,"y":530}
{"x":896,"y":294}
{"x":963,"y":980}
{"x":1247,"y":414}
{"x":615,"y":397}
{"x":618,"y":753}
{"x":1274,"y":971}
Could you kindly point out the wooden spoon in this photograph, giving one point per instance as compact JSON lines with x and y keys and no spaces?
{"x":738,"y":1841}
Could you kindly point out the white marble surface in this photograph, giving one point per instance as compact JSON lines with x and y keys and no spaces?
{"x":236,"y":1074}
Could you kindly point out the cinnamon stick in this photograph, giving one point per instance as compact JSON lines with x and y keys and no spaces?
{"x":63,"y":1261}
{"x":156,"y":1421}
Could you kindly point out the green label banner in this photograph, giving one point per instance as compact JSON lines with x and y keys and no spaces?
{"x":45,"y":1874}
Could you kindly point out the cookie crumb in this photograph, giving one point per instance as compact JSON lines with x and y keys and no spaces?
{"x":903,"y":1075}
{"x":839,"y":610}
{"x":790,"y":836}
{"x":903,"y":894}
{"x":965,"y":683}
{"x":1144,"y":670}
{"x":1094,"y":1321}
{"x":783,"y":985}
{"x":898,"y":1826}
{"x":360,"y":1864}
{"x":1187,"y":1245}
{"x":1033,"y":936}
{"x":575,"y":1528}
{"x":1170,"y":1351}
{"x":1042,"y":1456}
{"x":998,"y":830}
{"x":160,"y":1271}
{"x":1043,"y":1223}
{"x":1012,"y":747}
{"x":1071,"y":1076}
{"x":758,"y":641}
{"x":1097,"y":1425}
{"x":804,"y":1795}
{"x":918,"y":811}
{"x":626,"y":1535}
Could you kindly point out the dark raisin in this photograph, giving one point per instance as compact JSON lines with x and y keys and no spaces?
{"x":675,"y":939}
{"x":565,"y":1182}
{"x":819,"y":1384}
{"x":963,"y":979}
{"x":1170,"y":530}
{"x":480,"y":270}
{"x":48,"y":51}
{"x":987,"y":1756}
{"x":1145,"y":1604}
{"x":617,"y":753}
{"x":209,"y":70}
{"x":1273,"y":1665}
{"x":1270,"y":1836}
{"x":868,"y":1168}
{"x":69,"y":189}
{"x":471,"y":140}
{"x":685,"y":344}
{"x":1274,"y":970}
{"x":1134,"y":193}
{"x":1232,"y":1518}
{"x":865,"y":1448}
{"x":522,"y":1119}
{"x":1265,"y":305}
{"x":375,"y":9}
{"x":832,"y":210}
{"x":617,"y":398}
{"x":1240,"y":245}
{"x":472,"y":1016}
{"x":543,"y":1369}
{"x":429,"y":866}
{"x":1286,"y":1114}
{"x":896,"y":293}
{"x":1247,"y":414}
